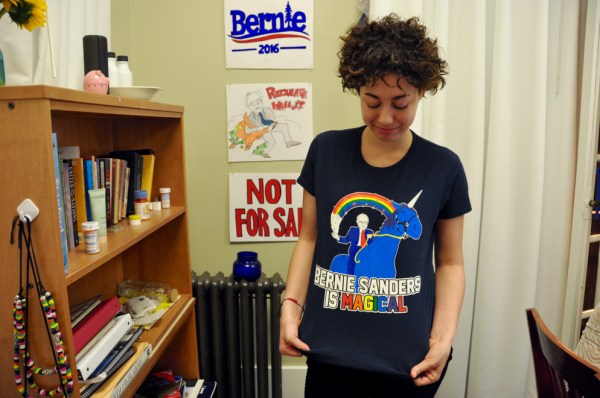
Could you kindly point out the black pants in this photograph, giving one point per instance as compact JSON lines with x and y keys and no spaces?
{"x":329,"y":381}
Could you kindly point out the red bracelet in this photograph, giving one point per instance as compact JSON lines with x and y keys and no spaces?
{"x":293,"y":300}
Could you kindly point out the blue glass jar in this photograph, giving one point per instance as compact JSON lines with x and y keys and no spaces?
{"x":247,"y":266}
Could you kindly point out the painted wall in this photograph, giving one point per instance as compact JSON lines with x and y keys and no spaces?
{"x":179,"y":46}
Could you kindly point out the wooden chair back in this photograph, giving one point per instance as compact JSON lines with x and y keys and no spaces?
{"x":559,"y":372}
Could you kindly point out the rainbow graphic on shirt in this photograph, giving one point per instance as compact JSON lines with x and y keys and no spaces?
{"x":364,"y":199}
{"x":360,"y":199}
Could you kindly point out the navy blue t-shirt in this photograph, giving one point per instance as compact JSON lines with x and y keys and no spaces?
{"x":370,"y":301}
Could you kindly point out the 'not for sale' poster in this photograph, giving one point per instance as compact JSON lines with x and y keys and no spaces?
{"x":264,"y":207}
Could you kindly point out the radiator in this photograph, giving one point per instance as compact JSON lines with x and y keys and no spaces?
{"x":236,"y":338}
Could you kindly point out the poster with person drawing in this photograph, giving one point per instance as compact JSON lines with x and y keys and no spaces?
{"x":268,"y":121}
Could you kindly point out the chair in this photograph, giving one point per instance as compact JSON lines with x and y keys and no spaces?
{"x":559,"y":372}
{"x":588,"y":346}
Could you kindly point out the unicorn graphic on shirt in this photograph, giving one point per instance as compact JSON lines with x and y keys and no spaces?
{"x":377,"y":258}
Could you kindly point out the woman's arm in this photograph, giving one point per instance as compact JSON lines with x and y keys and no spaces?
{"x":298,"y":279}
{"x":449,"y":292}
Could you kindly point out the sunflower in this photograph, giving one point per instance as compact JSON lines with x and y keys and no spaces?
{"x":28,"y":14}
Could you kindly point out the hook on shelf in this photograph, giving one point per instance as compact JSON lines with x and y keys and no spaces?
{"x":27,"y":210}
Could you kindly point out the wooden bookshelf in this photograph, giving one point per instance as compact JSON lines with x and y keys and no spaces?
{"x":157,"y":250}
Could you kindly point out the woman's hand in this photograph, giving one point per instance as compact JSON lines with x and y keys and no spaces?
{"x":289,"y":343}
{"x":430,"y":369}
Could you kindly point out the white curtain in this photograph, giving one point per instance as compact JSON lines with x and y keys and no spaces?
{"x":510,"y":111}
{"x":27,"y":57}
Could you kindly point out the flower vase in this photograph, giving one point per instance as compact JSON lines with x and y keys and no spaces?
{"x":2,"y":75}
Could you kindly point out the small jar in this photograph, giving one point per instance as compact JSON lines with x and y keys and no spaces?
{"x":247,"y":266}
{"x":113,"y":70}
{"x":135,"y":219}
{"x":165,"y":197}
{"x":90,"y":236}
{"x":141,"y":204}
{"x":125,"y":75}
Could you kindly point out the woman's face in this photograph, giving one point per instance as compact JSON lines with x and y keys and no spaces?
{"x":389,"y":106}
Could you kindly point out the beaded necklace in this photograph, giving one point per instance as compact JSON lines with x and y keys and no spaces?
{"x":22,"y":361}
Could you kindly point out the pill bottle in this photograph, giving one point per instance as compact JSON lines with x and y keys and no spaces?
{"x":141,"y":204}
{"x":113,"y":70}
{"x":165,"y":197}
{"x":135,"y":219}
{"x":90,"y":236}
{"x":125,"y":75}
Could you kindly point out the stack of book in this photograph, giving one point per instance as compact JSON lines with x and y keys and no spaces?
{"x":163,"y":384}
{"x":118,"y":380}
{"x":103,"y":340}
{"x":119,"y":173}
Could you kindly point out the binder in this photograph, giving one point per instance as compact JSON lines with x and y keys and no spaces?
{"x":94,"y":322}
{"x":112,"y":360}
{"x":95,"y":339}
{"x":94,"y":357}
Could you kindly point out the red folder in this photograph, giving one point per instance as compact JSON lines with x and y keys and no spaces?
{"x":94,"y":322}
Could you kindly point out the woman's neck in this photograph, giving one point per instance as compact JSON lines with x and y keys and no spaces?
{"x":379,"y":153}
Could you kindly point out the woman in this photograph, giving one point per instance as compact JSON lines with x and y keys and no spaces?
{"x":385,"y":325}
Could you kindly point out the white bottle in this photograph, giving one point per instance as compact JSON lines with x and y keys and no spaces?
{"x":125,"y":75}
{"x":113,"y":71}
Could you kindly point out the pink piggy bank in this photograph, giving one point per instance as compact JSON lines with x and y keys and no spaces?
{"x":95,"y":82}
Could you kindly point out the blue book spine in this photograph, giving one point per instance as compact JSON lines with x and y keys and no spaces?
{"x":88,"y":178}
{"x":58,"y":176}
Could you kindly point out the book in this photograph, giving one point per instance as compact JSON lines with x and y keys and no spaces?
{"x":90,"y":177}
{"x":116,"y":190}
{"x":66,"y":191}
{"x":191,"y":388}
{"x":88,"y":389}
{"x":94,"y":322}
{"x":106,"y":168}
{"x":208,"y":389}
{"x":148,"y":174}
{"x":135,"y":163}
{"x":122,"y":378}
{"x":158,"y":385}
{"x":73,"y":204}
{"x":126,"y":192}
{"x":79,"y":188}
{"x":94,"y":357}
{"x":102,"y":183}
{"x":61,"y":222}
{"x":122,"y":186}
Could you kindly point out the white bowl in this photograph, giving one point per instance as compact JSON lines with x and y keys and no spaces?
{"x":137,"y":92}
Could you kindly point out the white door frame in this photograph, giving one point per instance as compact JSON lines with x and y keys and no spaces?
{"x":585,"y":174}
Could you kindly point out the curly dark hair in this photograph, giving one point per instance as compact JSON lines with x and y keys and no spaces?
{"x":391,"y":45}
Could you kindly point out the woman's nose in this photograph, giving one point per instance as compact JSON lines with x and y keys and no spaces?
{"x":386,"y":115}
